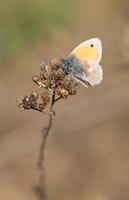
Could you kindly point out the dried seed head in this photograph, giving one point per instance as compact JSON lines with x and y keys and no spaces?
{"x":23,"y":103}
{"x":51,"y":79}
{"x":45,"y":98}
{"x":62,"y":92}
{"x":69,"y":84}
{"x":54,"y":63}
{"x":35,"y":101}
{"x":41,"y":107}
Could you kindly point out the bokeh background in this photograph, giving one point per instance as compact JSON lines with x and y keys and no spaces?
{"x":87,"y":154}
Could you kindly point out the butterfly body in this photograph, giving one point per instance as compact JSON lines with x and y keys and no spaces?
{"x":83,"y":62}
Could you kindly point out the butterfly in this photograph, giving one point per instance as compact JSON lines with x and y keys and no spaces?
{"x":83,"y":62}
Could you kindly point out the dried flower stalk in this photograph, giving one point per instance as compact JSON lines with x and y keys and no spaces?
{"x":53,"y":84}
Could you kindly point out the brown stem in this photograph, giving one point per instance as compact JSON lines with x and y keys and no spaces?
{"x":45,"y":132}
{"x":58,"y":98}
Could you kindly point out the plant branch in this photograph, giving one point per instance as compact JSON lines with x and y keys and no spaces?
{"x":45,"y":132}
{"x":58,"y":98}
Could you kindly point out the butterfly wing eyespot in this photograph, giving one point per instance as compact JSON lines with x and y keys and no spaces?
{"x":91,"y":45}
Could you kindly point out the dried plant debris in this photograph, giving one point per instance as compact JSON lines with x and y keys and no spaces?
{"x":51,"y":79}
{"x":67,"y":86}
{"x":35,"y":101}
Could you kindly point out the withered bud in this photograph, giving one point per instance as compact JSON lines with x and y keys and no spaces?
{"x":49,"y":76}
{"x":37,"y":80}
{"x":62,"y":92}
{"x":34,"y":101}
{"x":23,"y":103}
{"x":54,"y":63}
{"x":45,"y":98}
{"x":68,"y":84}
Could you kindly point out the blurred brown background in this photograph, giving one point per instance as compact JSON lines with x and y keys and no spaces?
{"x":87,"y":154}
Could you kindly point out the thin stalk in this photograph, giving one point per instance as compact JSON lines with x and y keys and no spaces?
{"x":45,"y":132}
